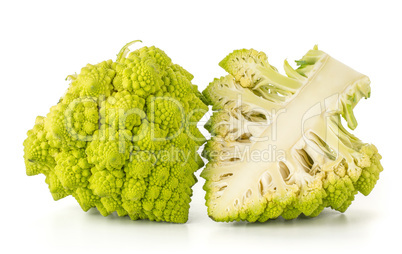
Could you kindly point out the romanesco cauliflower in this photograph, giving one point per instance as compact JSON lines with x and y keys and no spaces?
{"x":278,"y":145}
{"x":123,"y":138}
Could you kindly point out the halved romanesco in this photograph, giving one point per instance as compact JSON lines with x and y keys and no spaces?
{"x":278,"y":145}
{"x":123,"y":138}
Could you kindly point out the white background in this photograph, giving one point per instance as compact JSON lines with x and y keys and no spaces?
{"x":43,"y":42}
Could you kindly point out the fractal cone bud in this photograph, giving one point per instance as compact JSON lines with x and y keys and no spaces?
{"x":123,"y":138}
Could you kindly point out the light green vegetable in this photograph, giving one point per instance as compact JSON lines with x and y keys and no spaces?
{"x":278,"y":145}
{"x":123,"y":138}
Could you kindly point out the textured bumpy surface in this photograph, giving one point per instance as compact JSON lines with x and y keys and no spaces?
{"x":278,"y":146}
{"x":123,"y":138}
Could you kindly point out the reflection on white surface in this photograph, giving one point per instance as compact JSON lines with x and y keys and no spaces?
{"x":70,"y":229}
{"x":62,"y":226}
{"x":112,"y":232}
{"x":329,"y":231}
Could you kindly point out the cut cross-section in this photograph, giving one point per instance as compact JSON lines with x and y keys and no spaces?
{"x":278,"y":145}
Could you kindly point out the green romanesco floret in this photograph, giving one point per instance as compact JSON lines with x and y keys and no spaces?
{"x":278,"y":147}
{"x":121,"y":138}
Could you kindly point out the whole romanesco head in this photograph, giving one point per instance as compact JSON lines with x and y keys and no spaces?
{"x":123,"y":138}
{"x":278,"y":147}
